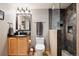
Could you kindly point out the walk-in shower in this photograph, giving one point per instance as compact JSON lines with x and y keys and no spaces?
{"x":64,"y":21}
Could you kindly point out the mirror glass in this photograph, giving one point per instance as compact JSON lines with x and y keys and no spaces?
{"x":22,"y":22}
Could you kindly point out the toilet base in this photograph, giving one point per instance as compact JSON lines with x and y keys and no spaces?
{"x":39,"y":53}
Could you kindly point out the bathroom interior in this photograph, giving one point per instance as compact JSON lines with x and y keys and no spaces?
{"x":38,"y":29}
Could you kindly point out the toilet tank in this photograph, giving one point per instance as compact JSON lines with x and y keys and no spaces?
{"x":39,"y":40}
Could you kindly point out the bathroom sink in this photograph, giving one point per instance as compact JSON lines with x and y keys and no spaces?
{"x":20,"y":35}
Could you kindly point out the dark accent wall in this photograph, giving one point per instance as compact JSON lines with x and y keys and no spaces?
{"x":63,"y":33}
{"x":71,"y":29}
{"x":54,"y":19}
{"x":66,"y":21}
{"x":59,"y":43}
{"x":50,"y":18}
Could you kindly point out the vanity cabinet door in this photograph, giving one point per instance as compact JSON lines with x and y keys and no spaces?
{"x":22,"y":46}
{"x":12,"y":46}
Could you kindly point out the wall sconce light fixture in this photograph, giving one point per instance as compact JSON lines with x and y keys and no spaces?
{"x":23,"y":11}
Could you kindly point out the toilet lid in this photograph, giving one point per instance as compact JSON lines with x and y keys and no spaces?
{"x":40,"y":46}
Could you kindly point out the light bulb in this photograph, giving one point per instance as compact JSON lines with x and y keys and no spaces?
{"x":26,"y":11}
{"x":22,"y":10}
{"x":17,"y":10}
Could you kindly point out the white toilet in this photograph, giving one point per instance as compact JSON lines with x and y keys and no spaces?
{"x":40,"y":47}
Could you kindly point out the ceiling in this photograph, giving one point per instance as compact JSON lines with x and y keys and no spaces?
{"x":40,"y":5}
{"x":43,"y":5}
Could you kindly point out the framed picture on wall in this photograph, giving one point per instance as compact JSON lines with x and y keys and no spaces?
{"x":1,"y":15}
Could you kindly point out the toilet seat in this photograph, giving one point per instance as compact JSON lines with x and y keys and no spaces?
{"x":40,"y":47}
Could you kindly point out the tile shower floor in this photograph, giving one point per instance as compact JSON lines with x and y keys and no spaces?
{"x":66,"y":53}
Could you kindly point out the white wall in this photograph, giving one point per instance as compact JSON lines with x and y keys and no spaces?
{"x":3,"y":37}
{"x":53,"y":42}
{"x":9,"y":16}
{"x":10,"y":13}
{"x":4,"y":29}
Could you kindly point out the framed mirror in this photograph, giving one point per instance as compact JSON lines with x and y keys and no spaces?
{"x":23,"y":22}
{"x":1,"y":15}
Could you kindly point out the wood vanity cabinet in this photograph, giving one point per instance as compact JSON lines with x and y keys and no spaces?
{"x":12,"y":46}
{"x":18,"y":45}
{"x":23,"y":46}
